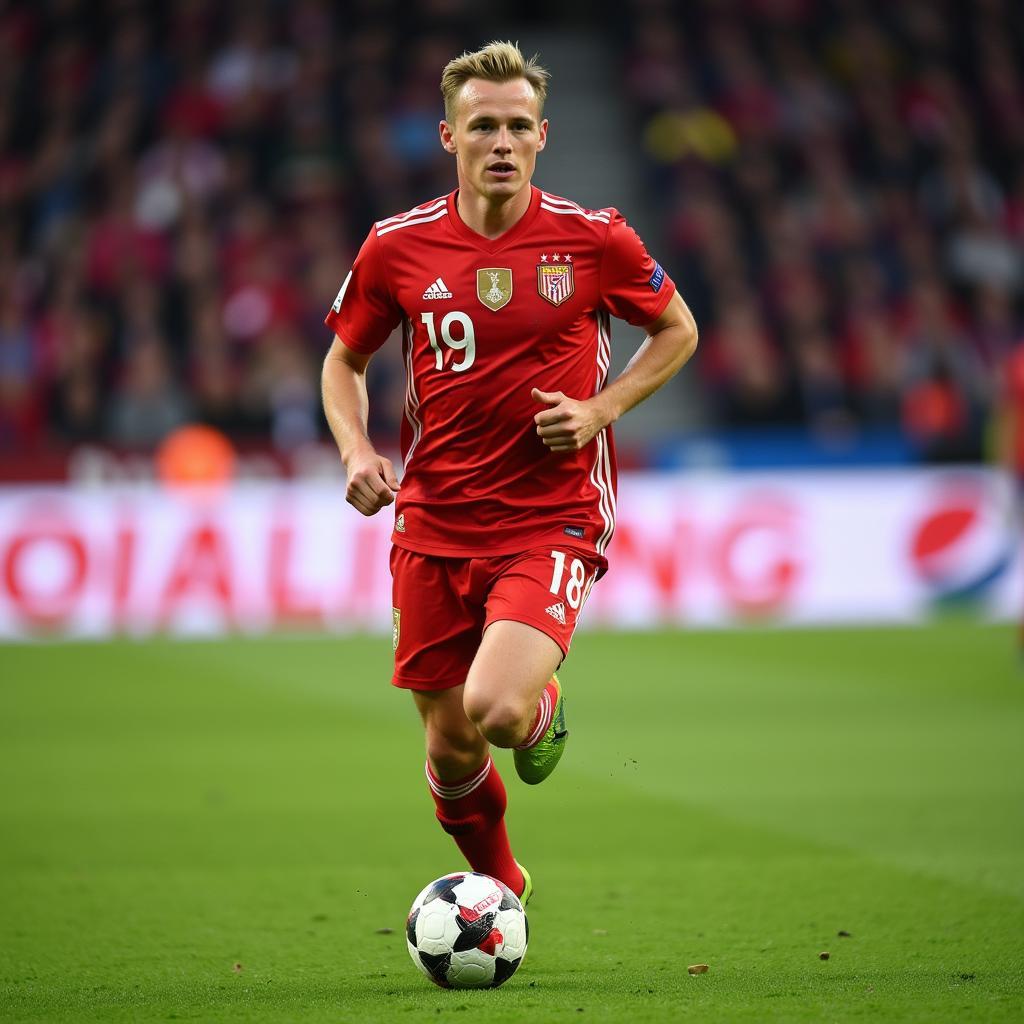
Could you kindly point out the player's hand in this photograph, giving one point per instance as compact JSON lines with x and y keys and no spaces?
{"x":372,"y":483}
{"x":568,"y":425}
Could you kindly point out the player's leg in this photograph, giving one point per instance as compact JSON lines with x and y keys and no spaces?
{"x":436,"y":632}
{"x":512,"y":694}
{"x":454,"y":744}
{"x":467,"y":789}
{"x":507,"y":680}
{"x":515,"y":699}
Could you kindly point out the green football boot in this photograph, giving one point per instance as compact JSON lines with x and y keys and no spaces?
{"x":527,"y":885}
{"x":536,"y":763}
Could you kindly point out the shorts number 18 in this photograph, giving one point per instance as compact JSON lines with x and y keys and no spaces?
{"x":577,"y":577}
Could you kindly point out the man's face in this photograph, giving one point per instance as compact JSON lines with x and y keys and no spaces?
{"x":496,"y":136}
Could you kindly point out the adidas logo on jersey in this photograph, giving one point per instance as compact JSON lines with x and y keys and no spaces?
{"x":557,"y":612}
{"x":437,"y":290}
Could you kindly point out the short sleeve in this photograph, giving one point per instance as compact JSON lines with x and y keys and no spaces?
{"x":634,"y":287}
{"x":364,"y":314}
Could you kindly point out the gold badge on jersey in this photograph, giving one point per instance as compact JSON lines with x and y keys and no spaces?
{"x":554,"y":282}
{"x":494,"y":286}
{"x":396,"y":627}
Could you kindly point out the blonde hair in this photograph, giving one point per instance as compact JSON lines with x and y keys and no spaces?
{"x":496,"y":62}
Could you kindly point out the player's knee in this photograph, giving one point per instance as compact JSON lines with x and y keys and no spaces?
{"x":453,"y":753}
{"x":499,"y":722}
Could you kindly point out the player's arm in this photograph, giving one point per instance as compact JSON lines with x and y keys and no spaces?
{"x":371,"y":477}
{"x":568,"y":425}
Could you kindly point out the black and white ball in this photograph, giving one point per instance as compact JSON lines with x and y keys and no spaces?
{"x":467,"y":930}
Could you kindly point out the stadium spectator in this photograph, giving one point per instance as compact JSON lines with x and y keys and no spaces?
{"x":147,"y":405}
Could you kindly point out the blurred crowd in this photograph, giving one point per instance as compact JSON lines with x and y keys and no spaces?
{"x":184,"y":184}
{"x":844,"y":189}
{"x":183,"y":187}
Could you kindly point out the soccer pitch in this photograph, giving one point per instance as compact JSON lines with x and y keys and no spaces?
{"x":233,"y":831}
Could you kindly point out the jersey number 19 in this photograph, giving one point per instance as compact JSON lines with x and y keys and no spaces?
{"x":466,"y":344}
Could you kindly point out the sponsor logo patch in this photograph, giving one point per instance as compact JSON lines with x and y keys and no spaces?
{"x":437,"y":290}
{"x":575,"y":531}
{"x":657,"y":278}
{"x":557,"y":612}
{"x":555,"y":282}
{"x":400,"y":524}
{"x":494,"y":286}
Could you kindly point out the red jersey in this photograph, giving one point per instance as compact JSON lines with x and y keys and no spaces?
{"x":484,"y":321}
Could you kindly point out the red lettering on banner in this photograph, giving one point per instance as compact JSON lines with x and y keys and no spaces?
{"x":765,"y":589}
{"x":661,"y":557}
{"x":45,"y":607}
{"x":202,"y":566}
{"x":287,"y":603}
{"x":356,"y":601}
{"x":122,"y":572}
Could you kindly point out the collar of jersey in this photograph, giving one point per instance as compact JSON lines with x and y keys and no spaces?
{"x":493,"y":244}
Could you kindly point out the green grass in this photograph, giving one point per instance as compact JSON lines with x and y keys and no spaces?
{"x":170,"y":810}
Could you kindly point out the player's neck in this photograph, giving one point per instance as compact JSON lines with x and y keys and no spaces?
{"x":491,"y":219}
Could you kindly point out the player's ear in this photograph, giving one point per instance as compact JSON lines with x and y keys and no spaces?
{"x":447,"y":134}
{"x":543,"y":141}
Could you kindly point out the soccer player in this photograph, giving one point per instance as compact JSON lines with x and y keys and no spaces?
{"x":507,"y":503}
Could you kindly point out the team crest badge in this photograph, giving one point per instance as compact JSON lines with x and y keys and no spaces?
{"x":396,"y":627}
{"x":554,"y":282}
{"x":494,"y":286}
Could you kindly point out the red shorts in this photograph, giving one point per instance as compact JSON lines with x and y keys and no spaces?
{"x":441,"y":606}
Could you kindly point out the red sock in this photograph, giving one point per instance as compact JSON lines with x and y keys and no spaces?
{"x":472,"y":811}
{"x":542,"y":720}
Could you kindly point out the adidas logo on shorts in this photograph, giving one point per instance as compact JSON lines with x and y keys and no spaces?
{"x":437,"y":290}
{"x":557,"y":612}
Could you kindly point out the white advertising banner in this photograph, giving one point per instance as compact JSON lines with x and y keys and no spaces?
{"x":795,"y":547}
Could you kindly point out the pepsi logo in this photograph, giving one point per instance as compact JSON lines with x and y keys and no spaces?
{"x":961,"y":546}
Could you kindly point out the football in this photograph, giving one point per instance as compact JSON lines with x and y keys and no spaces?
{"x":467,"y":930}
